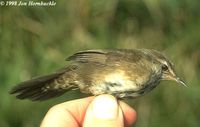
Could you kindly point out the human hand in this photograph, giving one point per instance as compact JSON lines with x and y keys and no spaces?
{"x":100,"y":111}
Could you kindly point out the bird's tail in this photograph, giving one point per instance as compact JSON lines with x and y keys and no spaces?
{"x":41,"y":88}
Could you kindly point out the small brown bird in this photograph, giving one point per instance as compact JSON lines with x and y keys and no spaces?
{"x":124,"y":73}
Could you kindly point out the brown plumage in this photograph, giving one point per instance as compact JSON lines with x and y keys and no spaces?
{"x":120,"y":72}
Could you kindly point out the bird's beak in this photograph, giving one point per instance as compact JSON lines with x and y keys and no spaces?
{"x":178,"y":80}
{"x":172,"y":76}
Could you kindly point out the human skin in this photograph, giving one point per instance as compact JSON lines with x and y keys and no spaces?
{"x":103,"y":110}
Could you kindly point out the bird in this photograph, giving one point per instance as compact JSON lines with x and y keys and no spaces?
{"x":123,"y":73}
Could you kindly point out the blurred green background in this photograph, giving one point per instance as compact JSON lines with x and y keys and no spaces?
{"x":35,"y":41}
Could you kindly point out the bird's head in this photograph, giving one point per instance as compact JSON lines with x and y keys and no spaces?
{"x":166,"y":68}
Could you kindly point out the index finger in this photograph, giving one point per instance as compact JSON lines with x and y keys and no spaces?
{"x":70,"y":113}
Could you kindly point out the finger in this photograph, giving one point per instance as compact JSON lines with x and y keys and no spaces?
{"x":104,"y":111}
{"x":69,"y":113}
{"x":129,"y":113}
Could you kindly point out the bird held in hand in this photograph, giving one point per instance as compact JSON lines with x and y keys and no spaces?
{"x":124,"y":73}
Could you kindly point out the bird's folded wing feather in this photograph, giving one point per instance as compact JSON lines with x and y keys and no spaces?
{"x":103,"y":56}
{"x":98,"y":56}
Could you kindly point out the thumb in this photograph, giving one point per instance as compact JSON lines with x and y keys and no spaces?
{"x":104,"y":111}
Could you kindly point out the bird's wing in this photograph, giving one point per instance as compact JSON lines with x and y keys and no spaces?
{"x":98,"y":56}
{"x":107,"y":55}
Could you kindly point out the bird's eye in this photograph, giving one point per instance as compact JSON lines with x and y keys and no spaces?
{"x":164,"y":67}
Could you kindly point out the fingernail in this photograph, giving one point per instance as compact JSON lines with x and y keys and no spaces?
{"x":105,"y":107}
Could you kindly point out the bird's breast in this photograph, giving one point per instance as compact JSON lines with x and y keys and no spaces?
{"x":115,"y":82}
